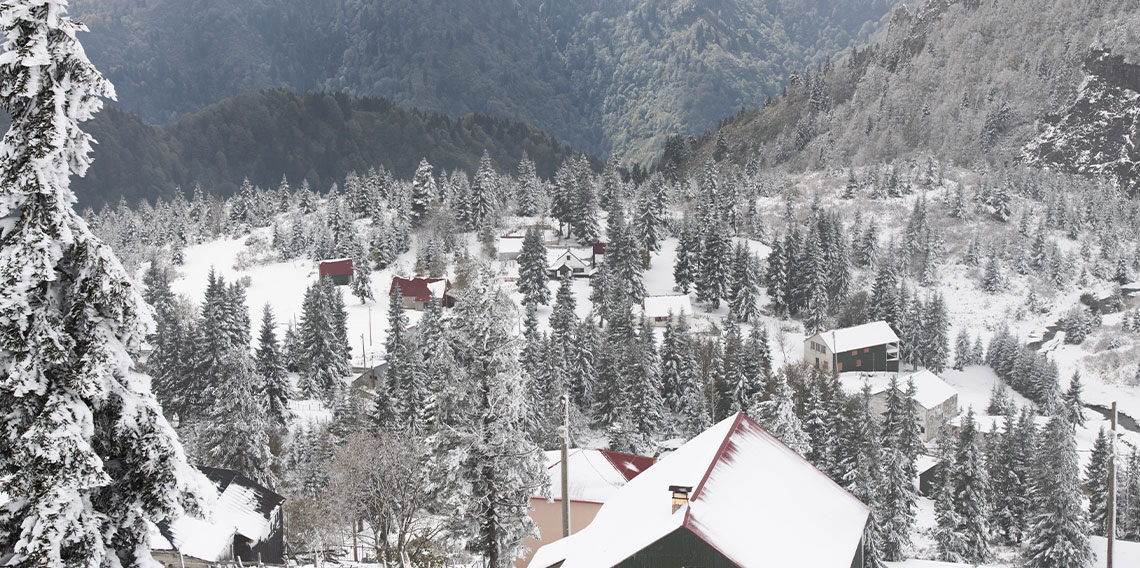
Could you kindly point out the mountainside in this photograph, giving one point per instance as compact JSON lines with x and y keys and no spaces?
{"x":601,"y":75}
{"x":315,"y":137}
{"x":966,"y":81}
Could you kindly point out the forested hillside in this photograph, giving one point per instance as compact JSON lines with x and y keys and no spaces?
{"x":314,"y":137}
{"x":600,"y":75}
{"x":968,"y":81}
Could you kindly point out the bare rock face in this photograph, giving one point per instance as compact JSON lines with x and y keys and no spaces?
{"x":1098,"y":134}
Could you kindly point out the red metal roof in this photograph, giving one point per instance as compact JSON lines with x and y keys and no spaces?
{"x":416,"y":287}
{"x":337,"y":267}
{"x":629,"y":465}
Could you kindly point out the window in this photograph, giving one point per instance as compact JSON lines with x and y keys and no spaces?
{"x":855,"y":352}
{"x":867,"y":350}
{"x":839,"y":367}
{"x":858,"y":362}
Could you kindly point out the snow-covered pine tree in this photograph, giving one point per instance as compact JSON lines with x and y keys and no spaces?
{"x":776,"y":279}
{"x":775,"y":412}
{"x":562,"y":317}
{"x":715,"y":274}
{"x":971,"y":493}
{"x":1096,"y":483}
{"x":323,"y":341}
{"x":649,"y":215}
{"x":1072,"y":406}
{"x":481,"y":202}
{"x":423,"y":191}
{"x":271,"y":369}
{"x":87,"y":460}
{"x":687,"y":262}
{"x":901,"y":443}
{"x":742,"y":293}
{"x":963,"y":354}
{"x":529,"y":188}
{"x":992,"y":280}
{"x":533,"y":269}
{"x":623,"y":257}
{"x":1058,"y":531}
{"x":237,"y":430}
{"x":935,"y":334}
{"x":582,"y":379}
{"x":487,"y":467}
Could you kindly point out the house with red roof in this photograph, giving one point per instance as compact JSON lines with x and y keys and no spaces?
{"x":415,"y":293}
{"x":593,"y":477}
{"x":338,"y":269}
{"x":734,"y":496}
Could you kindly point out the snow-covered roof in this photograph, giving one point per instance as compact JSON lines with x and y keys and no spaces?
{"x":662,"y":306}
{"x":595,"y":475}
{"x":510,"y":245}
{"x":930,"y":391}
{"x":556,"y":257}
{"x":858,"y":337}
{"x":754,"y":500}
{"x":243,"y":507}
{"x":987,"y":424}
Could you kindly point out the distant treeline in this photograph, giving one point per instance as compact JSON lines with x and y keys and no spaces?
{"x":315,"y":136}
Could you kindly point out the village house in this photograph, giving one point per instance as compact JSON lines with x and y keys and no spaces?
{"x":578,"y":262}
{"x":594,"y":476}
{"x":935,"y":402}
{"x":245,"y":526}
{"x":338,"y":269}
{"x":508,"y":248}
{"x":734,"y":496}
{"x":868,"y":347}
{"x":660,"y":308}
{"x":415,"y":293}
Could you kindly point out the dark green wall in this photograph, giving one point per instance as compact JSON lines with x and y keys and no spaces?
{"x":678,"y":549}
{"x":874,"y":360}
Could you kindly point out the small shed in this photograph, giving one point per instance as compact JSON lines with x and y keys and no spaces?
{"x":415,"y":293}
{"x":869,"y":347}
{"x":338,"y":269}
{"x":660,"y":308}
{"x":509,"y":247}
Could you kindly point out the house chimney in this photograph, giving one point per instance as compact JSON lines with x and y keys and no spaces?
{"x":680,"y":495}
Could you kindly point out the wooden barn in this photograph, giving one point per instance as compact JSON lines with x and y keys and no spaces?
{"x":734,"y":496}
{"x":245,"y":525}
{"x":868,"y":347}
{"x":415,"y":293}
{"x":338,"y":269}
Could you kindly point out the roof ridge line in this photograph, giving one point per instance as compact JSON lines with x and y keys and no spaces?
{"x":716,"y":457}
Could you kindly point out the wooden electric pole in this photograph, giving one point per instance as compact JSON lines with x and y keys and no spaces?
{"x":565,"y":469}
{"x":1110,"y":528}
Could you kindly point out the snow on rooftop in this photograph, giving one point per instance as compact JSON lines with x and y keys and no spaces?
{"x":754,"y":500}
{"x":437,"y":289}
{"x":930,"y":391}
{"x":510,"y":245}
{"x":662,"y":306}
{"x":858,"y":337}
{"x":594,"y":475}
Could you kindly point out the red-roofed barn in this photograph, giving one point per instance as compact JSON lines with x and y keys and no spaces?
{"x":339,"y":269}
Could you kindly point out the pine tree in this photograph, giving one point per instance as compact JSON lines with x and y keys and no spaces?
{"x":562,"y":317}
{"x":582,"y":379}
{"x":742,"y":293}
{"x":776,"y":414}
{"x":481,"y":203}
{"x":236,"y":433}
{"x":935,"y":334}
{"x":971,"y":499}
{"x":489,"y":468}
{"x":86,"y":458}
{"x":963,"y":354}
{"x":685,"y":267}
{"x":1072,"y":407}
{"x":271,"y":368}
{"x":529,"y":188}
{"x":1010,"y":462}
{"x":424,"y":191}
{"x":992,"y":280}
{"x":533,"y":269}
{"x":776,"y":278}
{"x":681,"y":383}
{"x":623,"y":259}
{"x":324,"y":341}
{"x":1096,"y":483}
{"x":715,"y":267}
{"x":649,"y":216}
{"x":900,"y":442}
{"x":1058,"y":533}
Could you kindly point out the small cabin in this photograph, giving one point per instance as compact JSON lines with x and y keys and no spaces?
{"x":935,"y":401}
{"x":509,"y":247}
{"x":415,"y":293}
{"x":864,"y":348}
{"x":338,"y":269}
{"x":659,"y":309}
{"x":577,"y":262}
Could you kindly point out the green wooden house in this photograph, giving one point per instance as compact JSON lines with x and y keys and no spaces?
{"x":734,"y":496}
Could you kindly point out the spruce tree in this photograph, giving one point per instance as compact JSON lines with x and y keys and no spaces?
{"x":271,"y":368}
{"x":775,"y":412}
{"x":1058,"y":531}
{"x":742,"y":293}
{"x":237,"y":430}
{"x":533,"y":269}
{"x":1072,"y":406}
{"x":87,"y":461}
{"x":1096,"y":483}
{"x":687,"y":262}
{"x":423,"y":191}
{"x":963,"y":355}
{"x":715,"y":267}
{"x":971,"y":493}
{"x":323,"y":339}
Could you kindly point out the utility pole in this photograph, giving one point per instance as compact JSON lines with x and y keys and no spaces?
{"x":370,"y":325}
{"x":565,"y":469}
{"x":1110,"y":529}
